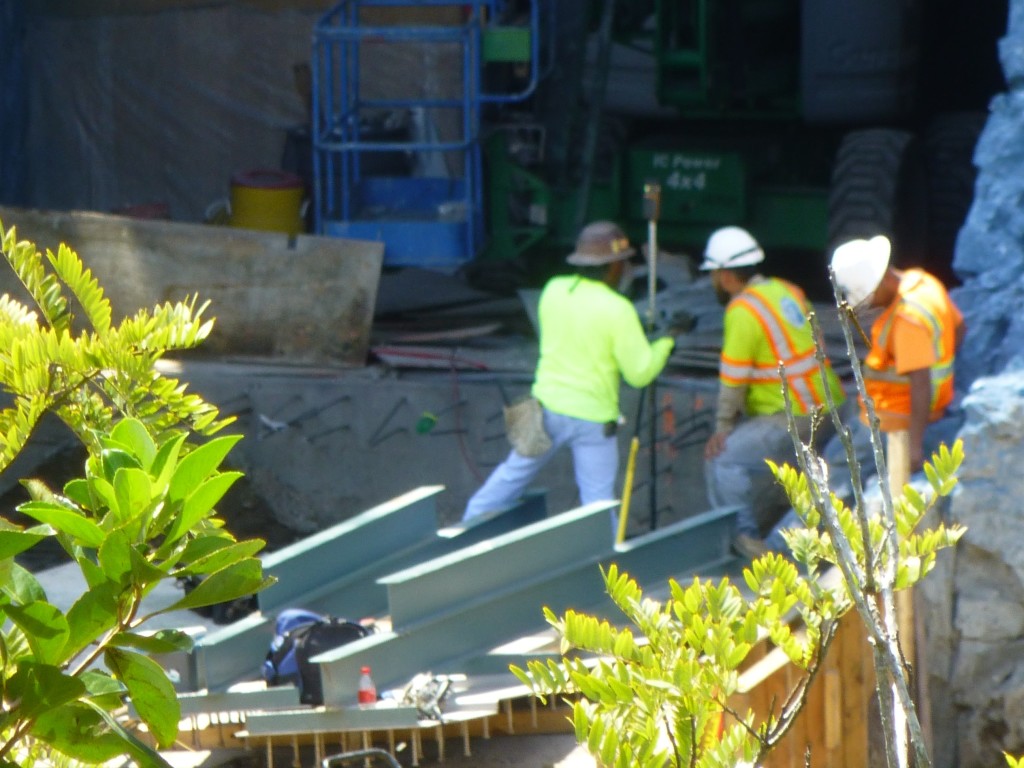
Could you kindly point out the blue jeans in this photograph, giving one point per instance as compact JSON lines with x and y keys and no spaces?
{"x":839,"y":481}
{"x":595,"y":458}
{"x":739,"y":476}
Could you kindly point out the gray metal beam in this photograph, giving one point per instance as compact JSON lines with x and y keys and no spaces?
{"x":361,"y":592}
{"x":234,"y":652}
{"x":229,"y":654}
{"x":460,"y":630}
{"x":349,"y":545}
{"x":329,"y":720}
{"x":439,"y":585}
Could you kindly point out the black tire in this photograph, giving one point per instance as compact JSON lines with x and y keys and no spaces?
{"x":879,"y":187}
{"x":949,"y":144}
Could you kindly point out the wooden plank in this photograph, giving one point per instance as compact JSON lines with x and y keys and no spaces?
{"x":271,"y":295}
{"x":814,"y":726}
{"x":858,"y":688}
{"x":833,"y":712}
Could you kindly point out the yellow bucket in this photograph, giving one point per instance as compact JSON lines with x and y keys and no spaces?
{"x":267,"y":199}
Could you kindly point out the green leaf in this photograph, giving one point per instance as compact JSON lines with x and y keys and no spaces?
{"x":68,"y":521}
{"x":15,"y":542}
{"x":133,"y":433}
{"x":77,"y":729}
{"x":45,"y":628}
{"x":161,"y":641}
{"x":237,"y":580}
{"x":115,"y":556}
{"x":144,"y":573}
{"x":198,"y":465}
{"x":40,"y":687}
{"x":221,"y":557}
{"x":77,"y":491}
{"x":103,"y":491}
{"x":207,"y":495}
{"x":133,"y":491}
{"x":151,"y":692}
{"x":93,"y":614}
{"x":196,"y":549}
{"x":166,"y":460}
{"x":199,"y":503}
{"x":142,"y":754}
{"x":20,"y":585}
{"x":115,"y":459}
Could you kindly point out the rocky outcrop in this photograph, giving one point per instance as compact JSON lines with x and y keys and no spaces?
{"x":975,"y":603}
{"x":977,"y":652}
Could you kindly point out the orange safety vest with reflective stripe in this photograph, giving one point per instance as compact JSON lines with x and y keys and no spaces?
{"x":765,"y":324}
{"x":922,"y":301}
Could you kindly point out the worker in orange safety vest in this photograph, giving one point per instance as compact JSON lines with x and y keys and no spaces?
{"x":765,"y":326}
{"x":908,"y":370}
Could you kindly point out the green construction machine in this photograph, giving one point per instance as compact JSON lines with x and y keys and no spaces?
{"x":806,"y":121}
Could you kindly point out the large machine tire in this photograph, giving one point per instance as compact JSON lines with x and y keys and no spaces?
{"x":949,"y":143}
{"x":879,"y":187}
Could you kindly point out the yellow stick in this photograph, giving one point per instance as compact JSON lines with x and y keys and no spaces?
{"x":627,"y":488}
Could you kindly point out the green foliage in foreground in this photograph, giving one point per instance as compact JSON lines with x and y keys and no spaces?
{"x":75,"y":362}
{"x":657,"y":692}
{"x":143,"y":512}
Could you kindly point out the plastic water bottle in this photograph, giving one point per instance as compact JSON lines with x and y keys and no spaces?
{"x":367,"y":690}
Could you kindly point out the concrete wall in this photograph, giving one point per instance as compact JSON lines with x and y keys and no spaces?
{"x":310,"y":299}
{"x":321,"y":446}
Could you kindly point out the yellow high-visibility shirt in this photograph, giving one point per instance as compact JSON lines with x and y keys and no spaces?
{"x":590,"y":336}
{"x":766,"y":324}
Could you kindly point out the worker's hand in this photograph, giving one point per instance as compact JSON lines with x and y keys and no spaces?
{"x":715,"y":445}
{"x":680,"y":323}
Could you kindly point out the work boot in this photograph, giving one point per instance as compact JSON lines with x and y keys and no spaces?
{"x":747,"y":546}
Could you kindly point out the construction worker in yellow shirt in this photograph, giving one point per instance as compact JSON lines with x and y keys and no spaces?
{"x":765,"y":325}
{"x":591,"y":340}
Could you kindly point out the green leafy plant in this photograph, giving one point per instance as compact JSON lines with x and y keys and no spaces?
{"x":656,"y":691}
{"x":144,"y":512}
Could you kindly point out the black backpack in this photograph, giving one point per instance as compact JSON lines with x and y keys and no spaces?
{"x":299,"y":636}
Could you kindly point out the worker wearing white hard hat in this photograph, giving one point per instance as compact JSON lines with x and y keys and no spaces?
{"x":859,"y":266}
{"x":908,"y":370}
{"x":765,"y":326}
{"x":591,"y":339}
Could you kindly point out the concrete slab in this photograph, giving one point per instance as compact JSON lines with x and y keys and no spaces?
{"x":303,"y":299}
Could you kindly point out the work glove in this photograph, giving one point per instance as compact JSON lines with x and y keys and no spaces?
{"x":680,"y":323}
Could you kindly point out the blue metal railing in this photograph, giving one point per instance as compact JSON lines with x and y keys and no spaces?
{"x":431,"y":218}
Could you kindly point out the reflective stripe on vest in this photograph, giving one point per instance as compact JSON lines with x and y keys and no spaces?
{"x":941,"y":371}
{"x":800,"y":364}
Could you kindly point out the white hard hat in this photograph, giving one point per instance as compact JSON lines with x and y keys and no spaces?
{"x":600,"y":243}
{"x":730,"y":247}
{"x":859,"y":266}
